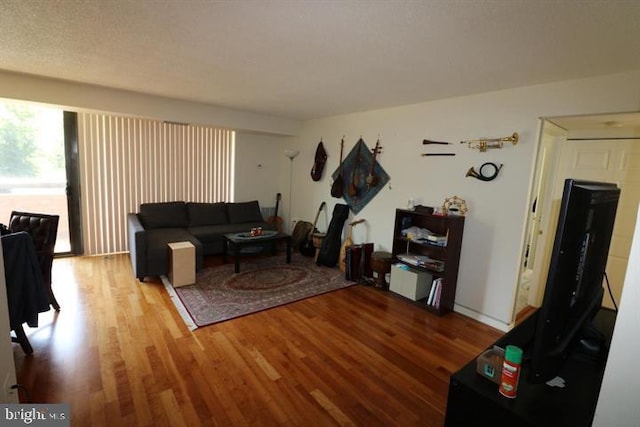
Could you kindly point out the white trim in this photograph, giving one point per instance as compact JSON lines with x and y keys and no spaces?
{"x":182,"y":310}
{"x":490,"y":321}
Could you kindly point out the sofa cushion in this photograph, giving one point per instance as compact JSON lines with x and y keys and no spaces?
{"x":163,"y":215}
{"x":209,"y":233}
{"x":207,"y":214}
{"x":244,"y":212}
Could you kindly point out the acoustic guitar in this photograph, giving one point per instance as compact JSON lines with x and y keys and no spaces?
{"x":299,"y":235}
{"x":347,"y":242}
{"x":307,"y":248}
{"x":372,"y":179}
{"x":275,"y":219}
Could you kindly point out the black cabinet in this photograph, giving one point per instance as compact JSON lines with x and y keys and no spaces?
{"x":474,"y":401}
{"x":439,"y":256}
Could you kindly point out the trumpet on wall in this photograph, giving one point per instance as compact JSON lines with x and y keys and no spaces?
{"x":483,"y":144}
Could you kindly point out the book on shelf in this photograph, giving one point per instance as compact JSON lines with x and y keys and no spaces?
{"x":412,"y":259}
{"x":423,"y":236}
{"x":422,"y":261}
{"x":437,"y":240}
{"x":436,"y":298}
{"x":434,"y":293}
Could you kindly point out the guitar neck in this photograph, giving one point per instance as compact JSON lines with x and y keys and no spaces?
{"x":315,"y":221}
{"x":373,"y":159}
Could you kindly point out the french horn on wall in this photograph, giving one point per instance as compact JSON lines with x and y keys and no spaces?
{"x":481,"y":175}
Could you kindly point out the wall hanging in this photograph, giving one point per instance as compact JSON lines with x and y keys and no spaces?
{"x":362,"y":174}
{"x":432,"y":142}
{"x":337,"y":188}
{"x":318,"y":162}
{"x":437,"y":154}
{"x":483,"y":144}
{"x":455,"y":206}
{"x":481,"y":172}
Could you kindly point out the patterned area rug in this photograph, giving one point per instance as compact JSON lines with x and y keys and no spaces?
{"x":262,"y":283}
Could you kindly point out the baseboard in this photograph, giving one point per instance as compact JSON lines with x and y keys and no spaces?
{"x":489,"y":321}
{"x":184,"y":313}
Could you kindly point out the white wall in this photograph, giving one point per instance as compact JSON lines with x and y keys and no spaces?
{"x":75,"y":97}
{"x":618,"y":402}
{"x":495,"y":225}
{"x":260,"y":172}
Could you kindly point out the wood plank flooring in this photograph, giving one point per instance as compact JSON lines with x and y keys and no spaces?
{"x":120,"y":355}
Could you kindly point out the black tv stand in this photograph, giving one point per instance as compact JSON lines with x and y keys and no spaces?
{"x":474,"y":400}
{"x":593,"y":343}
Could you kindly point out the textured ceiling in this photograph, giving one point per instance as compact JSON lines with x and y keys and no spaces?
{"x":309,"y":59}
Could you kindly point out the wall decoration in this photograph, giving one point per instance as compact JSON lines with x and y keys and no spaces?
{"x":483,"y":143}
{"x":337,"y":188}
{"x":437,"y":154}
{"x":454,"y":206}
{"x":431,"y":141}
{"x":318,"y":162}
{"x":481,"y":172}
{"x":359,"y":165}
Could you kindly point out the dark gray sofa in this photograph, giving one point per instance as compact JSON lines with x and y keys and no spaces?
{"x":203,"y":224}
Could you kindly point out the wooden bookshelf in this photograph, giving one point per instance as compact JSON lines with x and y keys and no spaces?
{"x":450,"y":226}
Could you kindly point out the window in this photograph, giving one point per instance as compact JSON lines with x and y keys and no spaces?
{"x":32,"y":164}
{"x":127,"y":161}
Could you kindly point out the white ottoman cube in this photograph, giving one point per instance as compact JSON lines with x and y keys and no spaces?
{"x":182,"y":264}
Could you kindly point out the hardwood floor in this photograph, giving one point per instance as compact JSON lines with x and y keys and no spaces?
{"x":119,"y":354}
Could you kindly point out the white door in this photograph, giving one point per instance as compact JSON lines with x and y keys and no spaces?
{"x":616,"y":161}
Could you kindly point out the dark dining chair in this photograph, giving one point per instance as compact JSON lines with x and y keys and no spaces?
{"x":43,"y":229}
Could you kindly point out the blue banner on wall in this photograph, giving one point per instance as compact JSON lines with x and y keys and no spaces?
{"x":356,"y":167}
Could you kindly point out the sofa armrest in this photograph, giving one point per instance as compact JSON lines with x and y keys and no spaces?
{"x":137,"y":246}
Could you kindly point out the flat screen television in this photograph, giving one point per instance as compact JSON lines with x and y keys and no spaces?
{"x":574,"y":291}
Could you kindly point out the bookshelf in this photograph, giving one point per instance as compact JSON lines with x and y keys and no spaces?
{"x":437,"y":254}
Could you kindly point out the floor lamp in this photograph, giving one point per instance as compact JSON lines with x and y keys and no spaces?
{"x":291,"y":154}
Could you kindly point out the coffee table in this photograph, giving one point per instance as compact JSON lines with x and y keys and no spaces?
{"x":238,"y":244}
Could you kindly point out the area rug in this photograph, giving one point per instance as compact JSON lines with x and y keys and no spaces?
{"x":266,"y":282}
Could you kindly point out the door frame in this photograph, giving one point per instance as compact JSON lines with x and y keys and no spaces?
{"x":73,"y":181}
{"x":550,"y":146}
{"x":545,"y":216}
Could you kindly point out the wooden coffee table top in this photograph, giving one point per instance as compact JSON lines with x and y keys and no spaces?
{"x":246,"y":237}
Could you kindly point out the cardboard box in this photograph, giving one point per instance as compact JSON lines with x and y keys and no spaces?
{"x":412,"y":284}
{"x":182,"y":264}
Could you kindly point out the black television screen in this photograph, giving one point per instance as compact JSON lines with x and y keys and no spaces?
{"x":574,"y":291}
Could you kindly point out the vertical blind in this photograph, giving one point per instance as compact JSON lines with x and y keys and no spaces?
{"x":127,"y":161}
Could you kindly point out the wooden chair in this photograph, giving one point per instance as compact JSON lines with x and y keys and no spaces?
{"x":43,"y":230}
